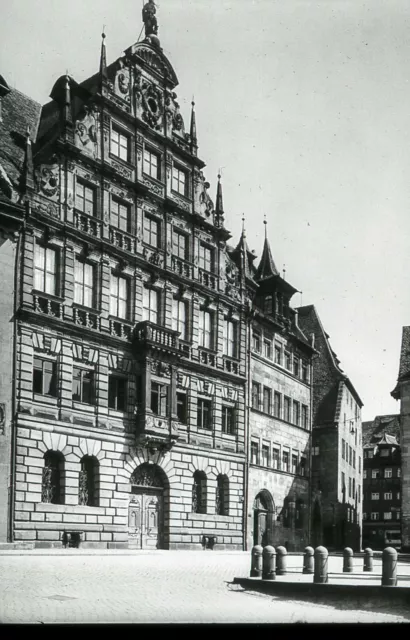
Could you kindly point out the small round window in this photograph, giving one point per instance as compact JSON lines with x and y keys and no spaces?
{"x":152,"y":105}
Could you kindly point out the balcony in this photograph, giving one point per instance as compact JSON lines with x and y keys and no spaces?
{"x":47,"y":305}
{"x":156,"y":432}
{"x":208,"y":279}
{"x":120,"y":329}
{"x":150,"y":334}
{"x":182,"y":267}
{"x":87,"y":223}
{"x":231,"y":366}
{"x":87,"y":318}
{"x":206,"y":357}
{"x":122,"y":240}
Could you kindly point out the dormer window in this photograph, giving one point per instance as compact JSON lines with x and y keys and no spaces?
{"x":268,"y":305}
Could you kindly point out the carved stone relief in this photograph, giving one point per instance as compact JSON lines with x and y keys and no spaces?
{"x":203,"y":202}
{"x":175,"y":122}
{"x":122,"y":81}
{"x":151,"y":103}
{"x":85,"y":134}
{"x":48,"y":179}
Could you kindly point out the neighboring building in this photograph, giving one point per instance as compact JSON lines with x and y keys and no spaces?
{"x":402,"y":392}
{"x":381,"y":482}
{"x":280,"y":413}
{"x":336,"y":443}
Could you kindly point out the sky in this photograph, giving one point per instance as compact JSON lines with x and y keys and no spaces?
{"x":305,"y":108}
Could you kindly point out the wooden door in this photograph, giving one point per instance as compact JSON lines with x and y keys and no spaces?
{"x":145,"y":520}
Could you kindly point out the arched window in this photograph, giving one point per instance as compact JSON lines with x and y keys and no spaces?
{"x":199,"y":492}
{"x":53,"y":478}
{"x":88,"y":482}
{"x":222,"y":495}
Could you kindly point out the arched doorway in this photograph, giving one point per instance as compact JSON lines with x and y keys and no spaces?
{"x":146,"y":508}
{"x":263,"y":509}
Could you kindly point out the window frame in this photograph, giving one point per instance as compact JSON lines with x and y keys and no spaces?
{"x":176,"y":245}
{"x":151,"y":313}
{"x":177,"y":171}
{"x":117,"y":378}
{"x":148,"y":151}
{"x":83,"y":289}
{"x":230,"y":338}
{"x":43,"y":272}
{"x":228,"y":420}
{"x":121,"y":302}
{"x":206,"y":257}
{"x":53,"y":383}
{"x":91,"y":384}
{"x":204,"y":414}
{"x":122,"y":206}
{"x":122,"y":134}
{"x":151,"y":237}
{"x":87,"y":188}
{"x":179,"y":324}
{"x":206,"y":329}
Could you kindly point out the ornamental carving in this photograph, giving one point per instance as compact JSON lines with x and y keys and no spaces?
{"x":147,"y":475}
{"x":203,"y":201}
{"x":48,"y":179}
{"x":181,"y":203}
{"x":161,"y":369}
{"x":127,"y":173}
{"x":122,"y":81}
{"x":173,"y":115}
{"x":85,"y":134}
{"x":154,"y":257}
{"x":152,"y":105}
{"x":153,"y":187}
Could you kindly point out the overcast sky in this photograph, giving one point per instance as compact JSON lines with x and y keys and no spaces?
{"x":305,"y":106}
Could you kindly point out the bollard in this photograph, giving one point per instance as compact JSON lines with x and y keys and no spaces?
{"x":368,"y":560}
{"x":348,"y":560}
{"x":269,"y":561}
{"x":389,"y":567}
{"x":281,"y":562}
{"x":256,"y":567}
{"x":321,"y":566}
{"x":308,"y":560}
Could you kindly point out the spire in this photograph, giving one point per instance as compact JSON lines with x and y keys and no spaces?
{"x":267,"y":267}
{"x":219,"y":208}
{"x":27,"y":177}
{"x":67,"y":100}
{"x":193,"y":124}
{"x":242,"y":256}
{"x":103,"y":59}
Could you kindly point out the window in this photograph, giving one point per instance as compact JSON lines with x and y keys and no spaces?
{"x":275,"y":458}
{"x":350,"y":455}
{"x":206,"y":257}
{"x":83,"y":385}
{"x":267,"y":349}
{"x":85,"y":198}
{"x":256,"y":390}
{"x":265,"y":455}
{"x":278,"y":354}
{"x":354,"y":459}
{"x":228,"y":420}
{"x":150,"y":305}
{"x":374,"y":515}
{"x":277,"y":404}
{"x":305,"y":371}
{"x":350,"y":487}
{"x":375,"y":473}
{"x":343,"y":448}
{"x":267,"y":400}
{"x":120,"y":144}
{"x":294,"y":463}
{"x":182,"y":407}
{"x":45,"y":377}
{"x":286,"y":405}
{"x":388,"y":473}
{"x":305,"y":417}
{"x":268,"y":305}
{"x":288,"y":360}
{"x":387,"y":515}
{"x":296,"y":412}
{"x":256,"y":342}
{"x":120,"y":215}
{"x":359,"y":493}
{"x":117,"y":392}
{"x":302,"y":466}
{"x":45,"y":269}
{"x":388,"y":495}
{"x":151,"y":231}
{"x":88,"y":481}
{"x":354,"y":488}
{"x":205,"y":333}
{"x":151,"y":164}
{"x":254,"y":453}
{"x":222,"y":495}
{"x":83,"y":283}
{"x":285,"y":460}
{"x":399,"y":472}
{"x":230,"y":339}
{"x":199,"y":491}
{"x":315,"y":451}
{"x":204,"y":413}
{"x":159,"y":399}
{"x":384,"y":453}
{"x":398,"y":495}
{"x":360,"y":464}
{"x":179,"y":317}
{"x":296,"y":366}
{"x":398,"y":514}
{"x":52,"y":489}
{"x":119,"y":296}
{"x":364,"y":474}
{"x":375,"y":496}
{"x":180,"y":245}
{"x":343,"y":482}
{"x":179,"y":180}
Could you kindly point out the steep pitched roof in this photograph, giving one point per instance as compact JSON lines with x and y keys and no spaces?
{"x":267,"y":266}
{"x":404,"y":366}
{"x":382,"y":427}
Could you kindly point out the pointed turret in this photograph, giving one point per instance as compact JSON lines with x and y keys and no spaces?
{"x":243,"y":257}
{"x":219,"y":208}
{"x":103,"y":61}
{"x":267,"y":267}
{"x":27,"y":176}
{"x":193,"y":126}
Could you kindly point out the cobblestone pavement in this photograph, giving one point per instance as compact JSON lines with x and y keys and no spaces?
{"x":155,"y":587}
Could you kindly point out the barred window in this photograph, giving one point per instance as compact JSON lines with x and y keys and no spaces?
{"x":88,"y":482}
{"x":53,"y":478}
{"x":199,"y":492}
{"x":222,"y":495}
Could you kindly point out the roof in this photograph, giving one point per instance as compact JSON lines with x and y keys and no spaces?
{"x":383,"y":430}
{"x":404,"y":366}
{"x":267,"y":266}
{"x":18,"y":112}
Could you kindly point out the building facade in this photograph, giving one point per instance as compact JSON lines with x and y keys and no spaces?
{"x":336,"y":444}
{"x":382,"y":482}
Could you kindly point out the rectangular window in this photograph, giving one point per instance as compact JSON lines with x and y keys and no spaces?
{"x":267,"y":349}
{"x":302,"y":466}
{"x":120,"y":215}
{"x":375,"y":496}
{"x":83,"y":385}
{"x":315,"y":451}
{"x":151,"y":164}
{"x":398,"y":495}
{"x":267,"y":400}
{"x":120,"y":144}
{"x":230,"y":338}
{"x":180,"y":245}
{"x":370,"y":454}
{"x":384,"y":453}
{"x":205,"y":334}
{"x":388,"y":495}
{"x":150,"y":305}
{"x":206,"y":258}
{"x":294,"y":463}
{"x":360,"y":464}
{"x":159,"y":399}
{"x":256,"y":392}
{"x":350,"y":455}
{"x":182,"y":407}
{"x":296,"y":412}
{"x":288,"y":360}
{"x":85,"y":198}
{"x":375,"y":473}
{"x":296,"y":366}
{"x":265,"y":455}
{"x":278,"y":354}
{"x":117,"y":392}
{"x":305,"y":371}
{"x":256,"y":342}
{"x":45,"y":377}
{"x":354,"y":488}
{"x":179,"y":317}
{"x":275,"y":458}
{"x":285,"y":461}
{"x":305,"y":416}
{"x":387,"y":515}
{"x":254,"y":453}
{"x":343,"y":481}
{"x":364,"y":474}
{"x":399,"y":472}
{"x":45,"y":269}
{"x":374,"y":515}
{"x":204,"y":413}
{"x":151,"y":232}
{"x":343,"y":449}
{"x":354,"y":459}
{"x":228,"y":420}
{"x":119,"y":297}
{"x":268,"y":305}
{"x":388,"y":473}
{"x":277,"y":409}
{"x":359,"y":493}
{"x":83,"y":283}
{"x":286,"y":406}
{"x":350,"y":487}
{"x":398,"y":514}
{"x":179,"y":180}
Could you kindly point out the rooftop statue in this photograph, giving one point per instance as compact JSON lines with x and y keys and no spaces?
{"x":149,"y":19}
